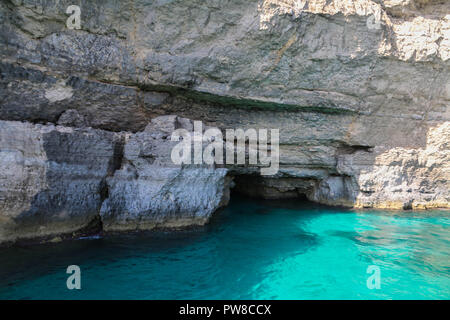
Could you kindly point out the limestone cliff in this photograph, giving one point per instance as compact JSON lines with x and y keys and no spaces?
{"x":52,"y":178}
{"x":150,"y":191}
{"x":57,"y":180}
{"x":359,"y":89}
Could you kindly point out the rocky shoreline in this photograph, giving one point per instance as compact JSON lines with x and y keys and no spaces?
{"x":86,"y":115}
{"x":58,"y":181}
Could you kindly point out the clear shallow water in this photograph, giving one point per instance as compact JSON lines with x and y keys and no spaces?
{"x":251,"y":250}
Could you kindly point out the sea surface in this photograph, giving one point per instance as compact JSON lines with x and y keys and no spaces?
{"x":253,"y":249}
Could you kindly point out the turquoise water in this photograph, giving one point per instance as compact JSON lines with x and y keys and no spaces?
{"x":251,"y":250}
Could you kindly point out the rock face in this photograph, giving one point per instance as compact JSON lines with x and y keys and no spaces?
{"x":52,"y":179}
{"x":150,"y":191}
{"x":71,"y":118}
{"x":397,"y":178}
{"x":57,"y":180}
{"x":359,"y":89}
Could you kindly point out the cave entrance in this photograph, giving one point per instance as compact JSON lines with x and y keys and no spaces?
{"x":270,"y":188}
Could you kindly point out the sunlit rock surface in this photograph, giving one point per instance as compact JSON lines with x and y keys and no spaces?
{"x":62,"y":181}
{"x":150,"y":191}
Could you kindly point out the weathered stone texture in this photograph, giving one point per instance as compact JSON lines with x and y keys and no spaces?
{"x":51,"y":178}
{"x":150,"y":191}
{"x":57,"y":180}
{"x":357,"y":88}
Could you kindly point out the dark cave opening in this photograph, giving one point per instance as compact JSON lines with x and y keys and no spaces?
{"x":258,"y":187}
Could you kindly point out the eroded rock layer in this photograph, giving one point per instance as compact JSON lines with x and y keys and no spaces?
{"x":52,"y":179}
{"x":359,"y":89}
{"x":57,"y":180}
{"x":151,"y":191}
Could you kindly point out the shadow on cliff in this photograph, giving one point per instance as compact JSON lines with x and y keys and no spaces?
{"x":77,"y":164}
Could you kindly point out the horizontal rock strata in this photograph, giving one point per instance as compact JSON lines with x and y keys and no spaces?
{"x":51,"y":178}
{"x":359,"y":90}
{"x":151,"y":191}
{"x":57,"y":180}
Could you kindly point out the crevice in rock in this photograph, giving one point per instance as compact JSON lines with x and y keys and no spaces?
{"x":351,"y":149}
{"x":115,"y":164}
{"x":245,"y":103}
{"x":117,"y":159}
{"x":95,"y":226}
{"x":231,"y":101}
{"x":408,"y":205}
